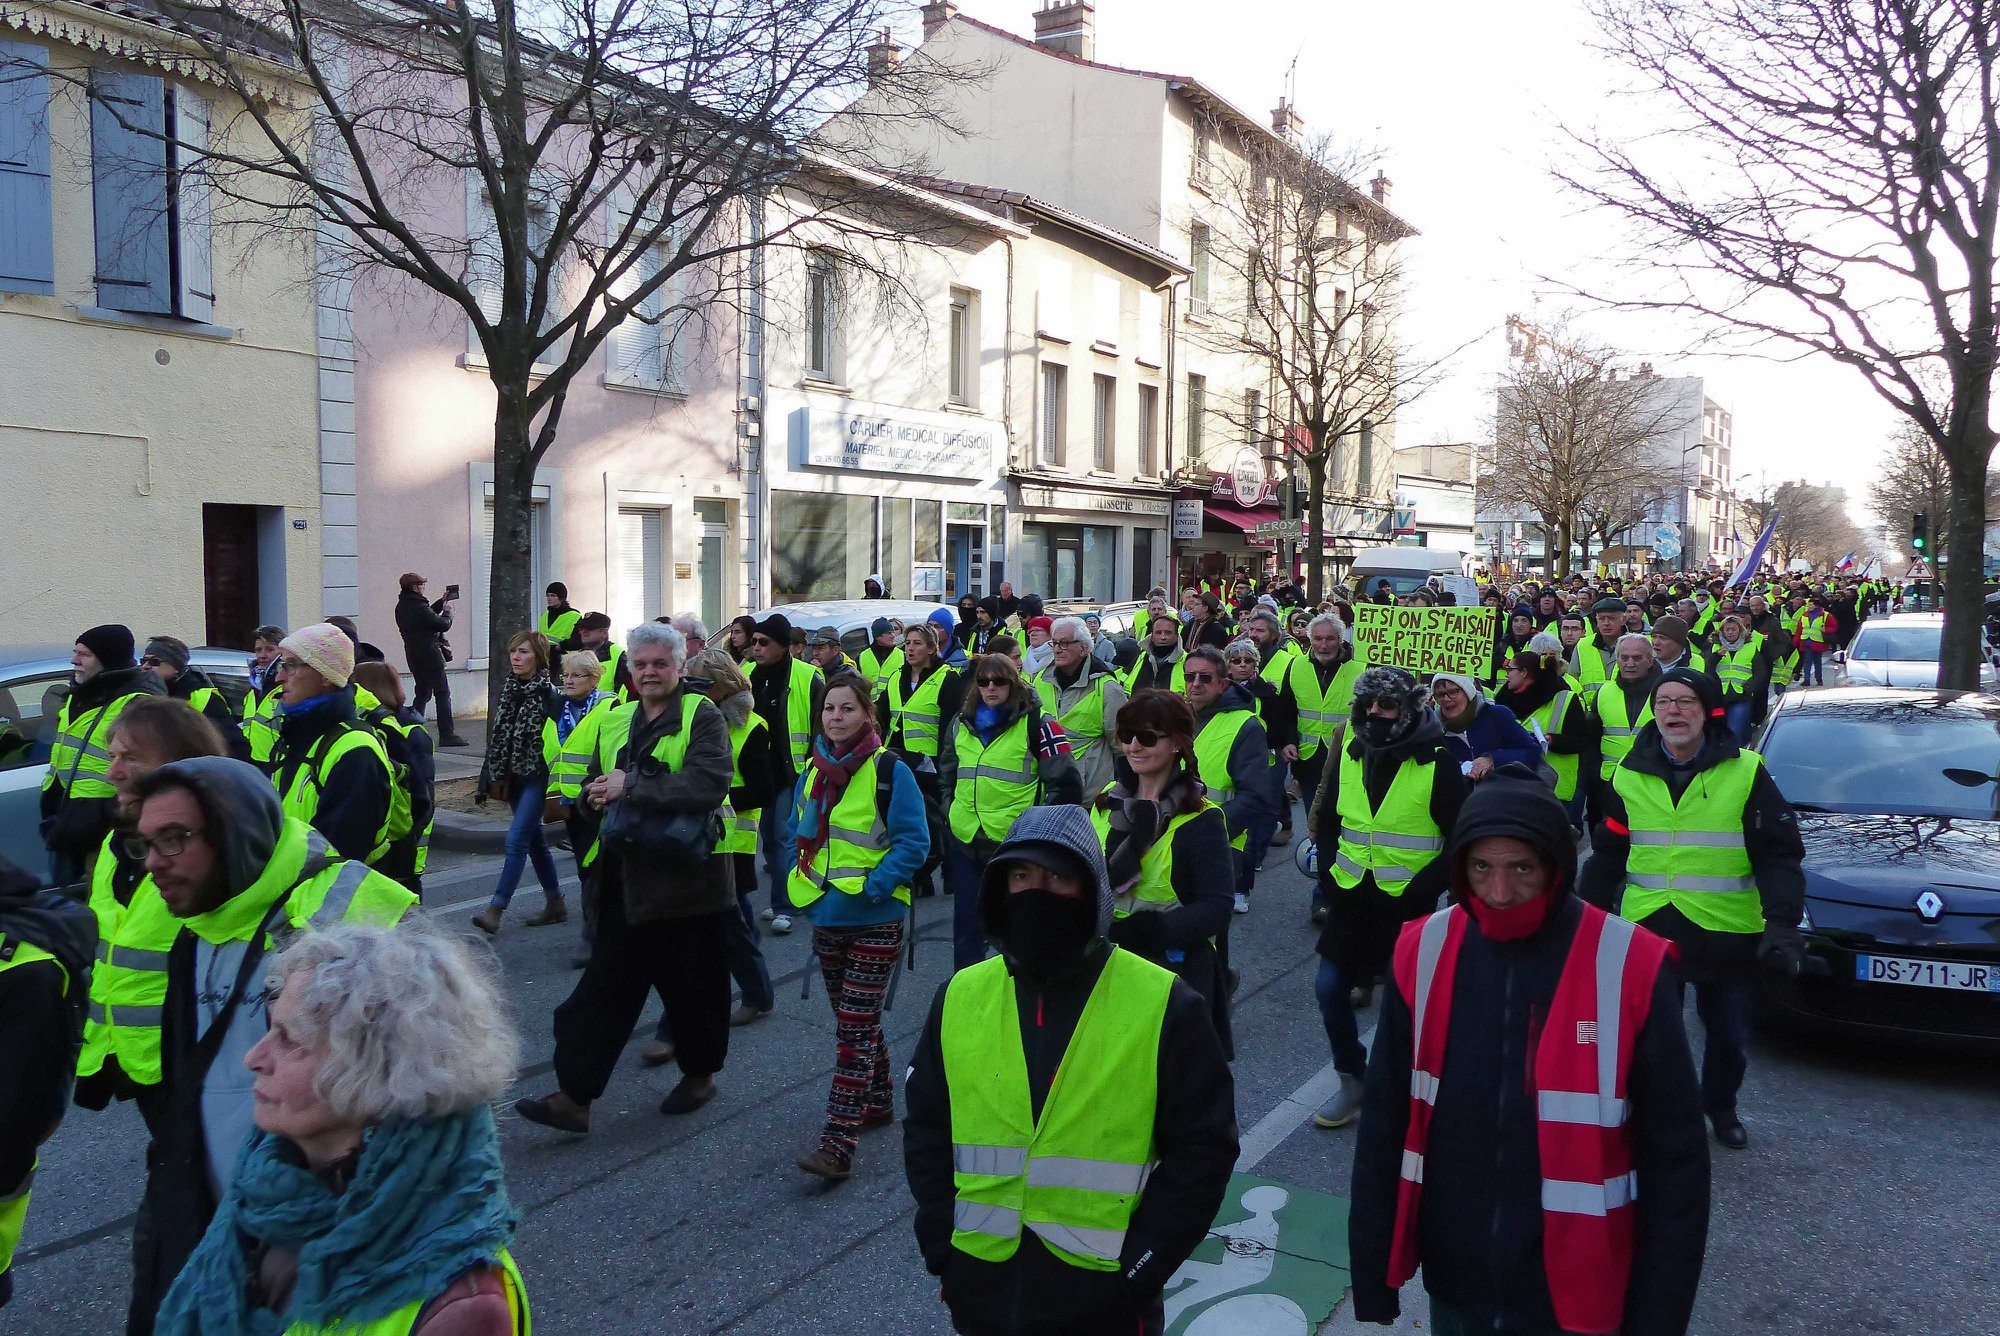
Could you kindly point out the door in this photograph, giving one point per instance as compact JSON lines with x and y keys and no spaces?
{"x":957,"y":562}
{"x":1142,"y":563}
{"x":712,"y":516}
{"x":1067,"y":555}
{"x":229,"y":576}
{"x":636,"y":568}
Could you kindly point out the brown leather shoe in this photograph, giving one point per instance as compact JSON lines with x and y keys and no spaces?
{"x":689,"y":1095}
{"x":657,"y":1053}
{"x":554,"y":910}
{"x":487,"y":920}
{"x":823,"y":1163}
{"x":558,"y":1111}
{"x":745,"y":1015}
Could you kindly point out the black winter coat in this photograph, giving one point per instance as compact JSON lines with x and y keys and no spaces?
{"x":1182,"y":939}
{"x":420,"y":624}
{"x":216,"y":711}
{"x":1034,"y":1293}
{"x":77,"y":826}
{"x":1480,"y":1221}
{"x":354,"y":800}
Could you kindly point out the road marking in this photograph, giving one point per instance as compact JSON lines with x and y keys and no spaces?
{"x":1291,"y":1111}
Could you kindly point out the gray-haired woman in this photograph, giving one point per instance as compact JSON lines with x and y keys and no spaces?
{"x":372,"y":1192}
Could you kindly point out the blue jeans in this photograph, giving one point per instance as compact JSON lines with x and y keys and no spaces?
{"x":963,"y":871}
{"x":525,"y":842}
{"x":1741,"y":719}
{"x":1724,"y":1009}
{"x":771,"y":841}
{"x":1814,"y":671}
{"x":1343,"y":1034}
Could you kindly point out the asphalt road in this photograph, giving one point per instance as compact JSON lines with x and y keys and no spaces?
{"x":1865,"y":1203}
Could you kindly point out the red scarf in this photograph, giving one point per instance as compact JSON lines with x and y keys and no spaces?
{"x":826,"y":784}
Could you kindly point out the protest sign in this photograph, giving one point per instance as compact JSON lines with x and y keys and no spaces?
{"x":1426,"y":640}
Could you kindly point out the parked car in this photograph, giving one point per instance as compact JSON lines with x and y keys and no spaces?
{"x":850,"y":616}
{"x":1117,"y":619}
{"x":1901,"y":650}
{"x":34,"y":681}
{"x":1898,"y":795}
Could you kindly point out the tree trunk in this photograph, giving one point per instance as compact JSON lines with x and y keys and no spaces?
{"x":508,"y":598}
{"x":1559,"y":559}
{"x":1963,"y":575}
{"x":1315,"y":533}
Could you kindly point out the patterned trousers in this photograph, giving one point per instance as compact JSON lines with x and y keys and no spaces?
{"x":856,"y":964}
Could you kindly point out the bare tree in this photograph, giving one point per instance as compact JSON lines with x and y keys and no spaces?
{"x":1298,"y":270}
{"x":1812,"y":521}
{"x":1575,"y":441}
{"x":616,"y":161}
{"x":1915,"y":478}
{"x":1824,"y":176}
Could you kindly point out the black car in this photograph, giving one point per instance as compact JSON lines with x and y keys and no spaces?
{"x":1899,"y":807}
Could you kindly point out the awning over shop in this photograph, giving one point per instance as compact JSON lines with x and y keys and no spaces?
{"x":1233,"y":519}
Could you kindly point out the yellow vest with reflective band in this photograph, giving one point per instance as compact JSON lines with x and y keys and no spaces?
{"x":301,"y":799}
{"x":1735,"y":669}
{"x":857,"y":838}
{"x":995,"y":783}
{"x":402,"y":801}
{"x":739,"y":829}
{"x":1590,"y":665}
{"x":568,"y":759}
{"x":14,"y":1200}
{"x":615,"y":731}
{"x":404,"y":1320}
{"x":1213,"y":742}
{"x":1321,"y":712}
{"x":260,"y":724}
{"x":922,"y":717}
{"x":1154,"y":891}
{"x":1692,"y":856}
{"x":798,"y":712}
{"x":1085,"y":721}
{"x":80,"y":760}
{"x":1567,"y":765}
{"x":1395,"y":842}
{"x":1179,"y":679}
{"x":607,"y":676}
{"x":878,"y":667}
{"x":1619,"y":727}
{"x":559,"y":626}
{"x":1075,"y":1174}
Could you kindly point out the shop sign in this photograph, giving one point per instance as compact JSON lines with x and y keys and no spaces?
{"x":1288,"y":529}
{"x":1053,"y":498}
{"x":1187,"y":519}
{"x":859,"y":436}
{"x":927,"y":580}
{"x":1245,"y":483}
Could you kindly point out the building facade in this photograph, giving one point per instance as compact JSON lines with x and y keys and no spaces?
{"x":137,"y":305}
{"x":1436,"y":486}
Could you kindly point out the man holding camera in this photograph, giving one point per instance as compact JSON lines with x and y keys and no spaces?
{"x":422,"y":626}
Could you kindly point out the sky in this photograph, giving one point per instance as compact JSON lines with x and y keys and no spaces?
{"x":1466,"y":103}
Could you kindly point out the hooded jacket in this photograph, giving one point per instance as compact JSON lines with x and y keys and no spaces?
{"x":1480,"y":1223}
{"x":354,"y":799}
{"x":76,"y":826}
{"x":190,"y":680}
{"x":34,"y":1048}
{"x":1195,"y":1137}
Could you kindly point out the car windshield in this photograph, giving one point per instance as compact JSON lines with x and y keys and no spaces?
{"x":1898,"y":642}
{"x":1898,"y":761}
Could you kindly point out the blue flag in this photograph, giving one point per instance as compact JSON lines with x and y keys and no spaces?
{"x":1755,"y":557}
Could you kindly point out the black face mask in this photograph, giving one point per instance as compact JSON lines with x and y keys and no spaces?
{"x":1046,"y":931}
{"x":1375,"y":731}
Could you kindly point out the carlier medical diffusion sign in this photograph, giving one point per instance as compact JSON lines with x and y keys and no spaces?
{"x":865,"y":438}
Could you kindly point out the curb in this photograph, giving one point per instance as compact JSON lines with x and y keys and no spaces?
{"x":475,"y":834}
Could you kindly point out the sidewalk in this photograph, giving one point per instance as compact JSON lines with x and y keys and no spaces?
{"x":457,"y":776}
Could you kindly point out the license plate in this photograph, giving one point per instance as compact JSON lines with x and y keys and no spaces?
{"x":1955,"y":975}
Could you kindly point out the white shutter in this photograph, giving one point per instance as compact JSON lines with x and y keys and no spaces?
{"x":193,"y":206}
{"x":636,"y":569}
{"x":482,"y":569}
{"x":636,"y":350}
{"x":482,"y":579}
{"x":1104,"y":310}
{"x":1152,"y":326}
{"x":1052,"y":297}
{"x":482,"y":255}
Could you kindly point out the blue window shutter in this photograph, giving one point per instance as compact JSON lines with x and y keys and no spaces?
{"x":194,"y":270}
{"x":27,"y":252}
{"x":128,"y":171}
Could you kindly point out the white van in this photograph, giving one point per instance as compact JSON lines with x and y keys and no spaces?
{"x":1408,"y":569}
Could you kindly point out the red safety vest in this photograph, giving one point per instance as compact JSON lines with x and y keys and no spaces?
{"x":1581,"y":1062}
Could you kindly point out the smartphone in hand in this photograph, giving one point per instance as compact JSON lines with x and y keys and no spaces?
{"x":451,"y":593}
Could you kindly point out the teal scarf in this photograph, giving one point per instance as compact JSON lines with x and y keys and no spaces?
{"x":427,"y":1204}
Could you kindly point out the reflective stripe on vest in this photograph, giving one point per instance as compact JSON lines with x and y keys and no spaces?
{"x":995,"y":783}
{"x":1735,"y":669}
{"x":301,"y":797}
{"x":1074,"y":1175}
{"x":856,"y":841}
{"x":1691,"y":855}
{"x":614,"y":737}
{"x":80,"y":757}
{"x":260,"y":725}
{"x":1153,"y":892}
{"x":739,"y":829}
{"x":1084,"y":720}
{"x":1395,"y":842}
{"x":1567,"y":765}
{"x":1323,"y":711}
{"x":1619,"y":725}
{"x":919,"y":713}
{"x":1213,"y":742}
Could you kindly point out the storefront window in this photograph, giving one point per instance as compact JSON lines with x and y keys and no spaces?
{"x":1100,"y":563}
{"x":895,"y":559}
{"x":822,"y":545}
{"x":1069,"y":561}
{"x":929,"y":533}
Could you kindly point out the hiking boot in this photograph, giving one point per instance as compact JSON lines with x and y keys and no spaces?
{"x":1345,"y":1104}
{"x":554,"y":910}
{"x":487,"y":920}
{"x":823,"y":1163}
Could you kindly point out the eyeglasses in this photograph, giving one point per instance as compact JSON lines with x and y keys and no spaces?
{"x":1201,"y":677}
{"x":151,"y":661}
{"x":1144,"y":737}
{"x":1065,"y":644}
{"x":762,"y":640}
{"x":993,"y":682}
{"x":285,"y":665}
{"x":167,"y":844}
{"x":1242,"y":662}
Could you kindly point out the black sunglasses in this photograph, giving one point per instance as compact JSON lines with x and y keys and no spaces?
{"x":1201,"y":677}
{"x":993,"y":682}
{"x":1145,"y":737}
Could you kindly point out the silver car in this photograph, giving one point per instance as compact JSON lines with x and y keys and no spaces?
{"x":34,"y":680}
{"x":1901,"y":650}
{"x":849,"y":616}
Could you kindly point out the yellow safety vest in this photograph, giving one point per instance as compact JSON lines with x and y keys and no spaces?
{"x":878,"y":667}
{"x":1567,"y":765}
{"x":739,"y":829}
{"x":1085,"y":721}
{"x":615,"y":732}
{"x":921,"y":715}
{"x":1321,"y":712}
{"x":1737,"y":668}
{"x":559,"y":626}
{"x":1213,"y":741}
{"x":1395,"y":842}
{"x":607,"y":677}
{"x":857,"y":839}
{"x":260,"y":724}
{"x":1075,"y":1174}
{"x":568,"y":759}
{"x":1154,"y":891}
{"x":1619,"y":728}
{"x":300,"y":798}
{"x":1692,"y":855}
{"x":995,"y":783}
{"x":404,"y":1320}
{"x":798,"y":711}
{"x":1591,"y":667}
{"x":80,"y":759}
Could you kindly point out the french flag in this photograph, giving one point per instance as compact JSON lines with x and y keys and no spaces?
{"x":1845,"y":563}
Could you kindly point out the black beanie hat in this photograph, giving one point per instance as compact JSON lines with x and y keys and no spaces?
{"x":1514,"y":802}
{"x":559,"y":589}
{"x":776,"y":627}
{"x":111,"y":643}
{"x":1706,"y":689}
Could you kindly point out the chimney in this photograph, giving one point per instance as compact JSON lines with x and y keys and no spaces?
{"x":1379,"y":188}
{"x":935,"y":15}
{"x":1645,"y":371}
{"x":883,"y":56}
{"x":1068,"y":26}
{"x":1287,"y":122}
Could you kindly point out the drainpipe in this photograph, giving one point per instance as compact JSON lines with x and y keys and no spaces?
{"x":753,"y":442}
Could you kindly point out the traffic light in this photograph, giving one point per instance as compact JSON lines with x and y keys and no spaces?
{"x":1920,"y":532}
